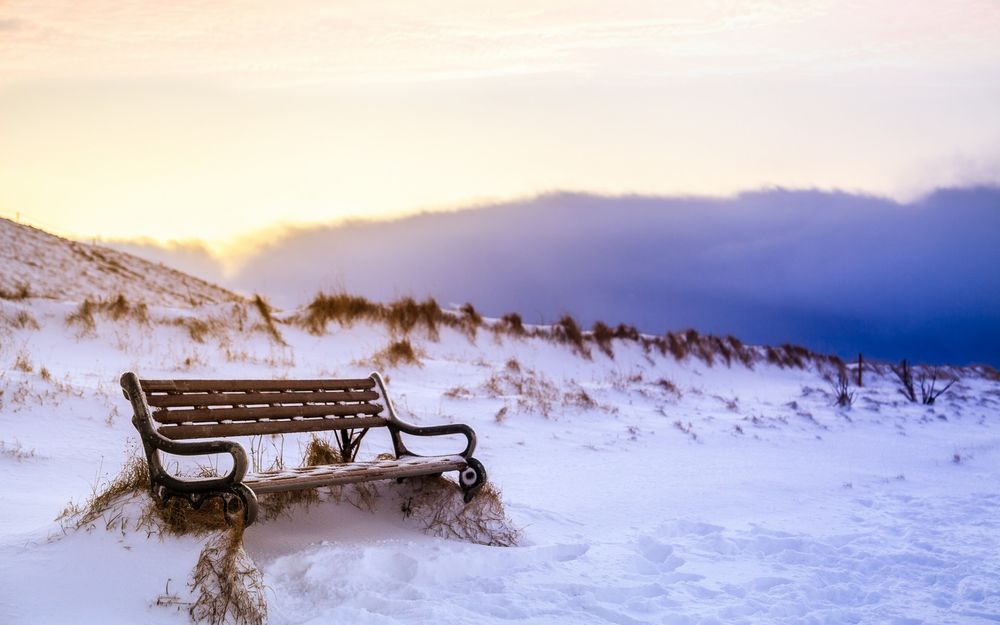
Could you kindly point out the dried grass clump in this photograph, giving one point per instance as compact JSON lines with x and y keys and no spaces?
{"x":340,"y":307}
{"x":568,"y":332}
{"x":15,"y":450}
{"x":23,"y":363}
{"x":469,"y":320}
{"x":395,"y":354}
{"x":532,"y":390}
{"x":405,"y":314}
{"x":20,"y":291}
{"x":602,"y":335}
{"x":104,"y":496}
{"x":21,"y":320}
{"x":669,"y":387}
{"x":267,"y":319}
{"x":117,"y":308}
{"x":512,"y":324}
{"x":228,"y":585}
{"x":436,"y":503}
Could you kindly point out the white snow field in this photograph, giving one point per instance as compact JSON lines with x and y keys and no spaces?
{"x":745,"y":497}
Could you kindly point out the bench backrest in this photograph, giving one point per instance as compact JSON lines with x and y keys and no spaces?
{"x":186,"y":409}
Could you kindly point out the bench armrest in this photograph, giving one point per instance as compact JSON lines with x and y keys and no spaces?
{"x":439,"y":430}
{"x":396,"y":426}
{"x":153,"y":441}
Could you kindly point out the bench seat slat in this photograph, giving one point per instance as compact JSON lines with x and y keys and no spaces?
{"x":201,"y":415}
{"x":258,"y":428}
{"x":349,"y":473}
{"x":222,"y":386}
{"x":274,"y":398}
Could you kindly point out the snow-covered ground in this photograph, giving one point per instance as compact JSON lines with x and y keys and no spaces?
{"x":745,"y":496}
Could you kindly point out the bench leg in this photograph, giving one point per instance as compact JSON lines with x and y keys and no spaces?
{"x":472,"y":478}
{"x":248,"y":502}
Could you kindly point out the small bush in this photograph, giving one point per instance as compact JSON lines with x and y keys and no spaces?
{"x":904,"y":378}
{"x":843,"y":396}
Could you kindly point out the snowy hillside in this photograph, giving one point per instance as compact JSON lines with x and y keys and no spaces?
{"x":648,"y":488}
{"x":36,"y":263}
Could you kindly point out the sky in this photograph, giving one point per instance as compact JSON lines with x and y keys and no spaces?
{"x":215,"y":121}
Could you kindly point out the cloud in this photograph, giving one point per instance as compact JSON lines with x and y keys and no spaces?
{"x":833,"y":270}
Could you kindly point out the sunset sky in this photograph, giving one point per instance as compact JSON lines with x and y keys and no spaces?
{"x":180,"y":120}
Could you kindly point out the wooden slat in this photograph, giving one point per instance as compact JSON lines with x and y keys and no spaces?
{"x":257,"y":428}
{"x":328,"y":475}
{"x":232,"y":399}
{"x":223,"y":386}
{"x":200,"y":415}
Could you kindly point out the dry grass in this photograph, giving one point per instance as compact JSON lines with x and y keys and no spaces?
{"x":15,"y":450}
{"x":117,"y":308}
{"x":106,"y":495}
{"x":512,"y":324}
{"x":602,"y":335}
{"x":267,"y":319}
{"x":436,"y":503}
{"x":23,"y":363}
{"x":20,"y":291}
{"x":228,"y":585}
{"x":395,"y":354}
{"x":23,"y":320}
{"x":568,"y":332}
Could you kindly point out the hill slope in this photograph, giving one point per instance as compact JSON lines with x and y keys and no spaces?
{"x":40,"y":264}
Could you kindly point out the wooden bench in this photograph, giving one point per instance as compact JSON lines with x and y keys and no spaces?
{"x":168,"y":413}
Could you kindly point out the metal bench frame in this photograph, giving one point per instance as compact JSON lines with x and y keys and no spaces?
{"x":235,"y":488}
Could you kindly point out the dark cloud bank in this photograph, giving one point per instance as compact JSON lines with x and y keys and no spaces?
{"x":834,"y":271}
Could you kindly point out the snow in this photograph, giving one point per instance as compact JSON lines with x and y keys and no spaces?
{"x":749,"y":498}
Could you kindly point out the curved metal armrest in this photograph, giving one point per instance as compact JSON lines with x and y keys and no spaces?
{"x":201,"y":448}
{"x":151,"y":438}
{"x":396,"y":425}
{"x":437,"y":430}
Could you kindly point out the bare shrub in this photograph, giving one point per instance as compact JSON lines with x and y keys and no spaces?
{"x":904,"y":378}
{"x":843,"y":396}
{"x":928,"y":382}
{"x":436,"y":503}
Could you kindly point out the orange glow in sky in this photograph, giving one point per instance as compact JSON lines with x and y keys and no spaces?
{"x":202,"y":120}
